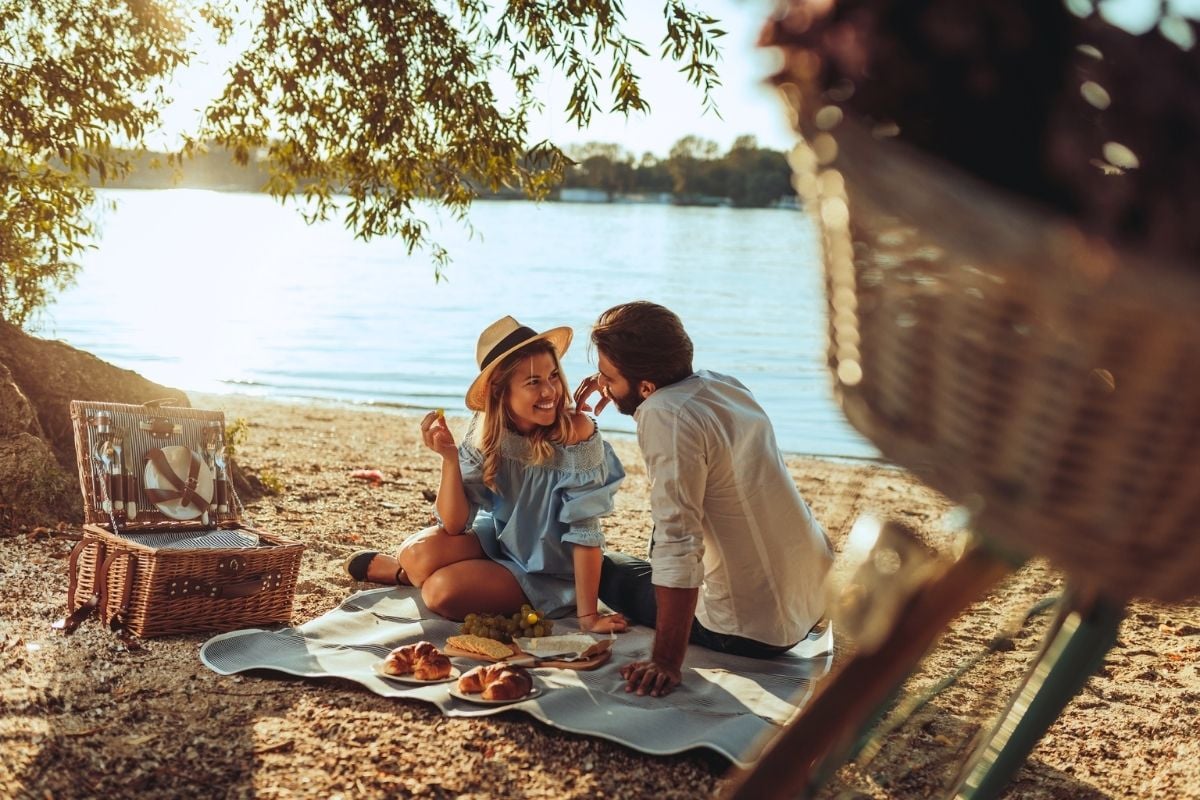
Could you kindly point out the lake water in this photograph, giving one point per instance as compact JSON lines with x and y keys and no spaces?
{"x":220,"y":292}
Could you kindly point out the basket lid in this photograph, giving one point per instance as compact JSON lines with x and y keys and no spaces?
{"x":170,"y":472}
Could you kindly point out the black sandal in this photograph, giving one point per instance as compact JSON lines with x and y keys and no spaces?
{"x":358,"y":563}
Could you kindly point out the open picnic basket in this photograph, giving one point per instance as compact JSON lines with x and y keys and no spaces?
{"x":165,"y":549}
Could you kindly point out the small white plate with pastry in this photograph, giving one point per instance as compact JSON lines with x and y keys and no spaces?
{"x":479,"y":699}
{"x":495,"y":685}
{"x":380,"y":668}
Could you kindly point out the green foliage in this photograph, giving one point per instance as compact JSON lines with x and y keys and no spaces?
{"x":602,"y":166}
{"x":363,"y":106}
{"x":368,"y":107}
{"x":755,"y":176}
{"x":236,"y":433}
{"x":272,"y":484}
{"x":72,"y":77}
{"x":684,"y":165}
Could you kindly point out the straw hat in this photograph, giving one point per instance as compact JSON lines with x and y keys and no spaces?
{"x":502,"y":337}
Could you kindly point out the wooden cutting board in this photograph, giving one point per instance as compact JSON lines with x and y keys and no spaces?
{"x":583,"y":663}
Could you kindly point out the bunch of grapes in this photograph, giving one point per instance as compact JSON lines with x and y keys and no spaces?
{"x":506,"y":627}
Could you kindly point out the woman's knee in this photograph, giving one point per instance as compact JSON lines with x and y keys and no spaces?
{"x":443,"y":596}
{"x":418,"y":555}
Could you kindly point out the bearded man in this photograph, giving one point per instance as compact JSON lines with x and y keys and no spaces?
{"x":737,"y":561}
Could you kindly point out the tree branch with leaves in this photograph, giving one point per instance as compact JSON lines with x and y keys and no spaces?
{"x":359,"y":108}
{"x":72,"y":78}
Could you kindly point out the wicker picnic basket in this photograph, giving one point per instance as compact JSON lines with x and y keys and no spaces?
{"x":150,"y":563}
{"x":1047,"y":381}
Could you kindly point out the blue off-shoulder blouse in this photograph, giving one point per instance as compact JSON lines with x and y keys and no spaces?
{"x":541,"y":511}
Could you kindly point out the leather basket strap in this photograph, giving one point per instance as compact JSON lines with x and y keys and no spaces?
{"x":75,"y":616}
{"x":247,"y":587}
{"x":184,"y":492}
{"x":117,"y":619}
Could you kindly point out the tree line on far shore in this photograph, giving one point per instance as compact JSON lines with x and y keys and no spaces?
{"x":694,"y":172}
{"x":748,"y":176}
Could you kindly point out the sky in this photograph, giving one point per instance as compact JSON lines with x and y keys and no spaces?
{"x":745,"y":104}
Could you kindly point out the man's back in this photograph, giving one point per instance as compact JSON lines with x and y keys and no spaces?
{"x":726,"y":511}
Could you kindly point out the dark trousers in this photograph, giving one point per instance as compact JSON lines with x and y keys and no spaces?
{"x":625,"y":587}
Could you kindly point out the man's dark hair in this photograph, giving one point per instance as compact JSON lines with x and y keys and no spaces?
{"x":645,"y":341}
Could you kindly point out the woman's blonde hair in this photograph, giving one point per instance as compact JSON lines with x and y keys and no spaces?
{"x":496,"y":417}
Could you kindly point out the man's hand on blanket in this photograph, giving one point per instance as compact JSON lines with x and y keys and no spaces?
{"x":650,"y":677}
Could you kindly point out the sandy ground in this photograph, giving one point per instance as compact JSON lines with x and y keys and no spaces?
{"x":82,"y":716}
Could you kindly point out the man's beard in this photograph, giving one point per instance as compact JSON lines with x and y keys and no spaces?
{"x":628,"y":403}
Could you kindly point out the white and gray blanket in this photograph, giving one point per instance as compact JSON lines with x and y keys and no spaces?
{"x":729,"y":704}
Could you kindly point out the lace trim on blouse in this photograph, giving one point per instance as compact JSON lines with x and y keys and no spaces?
{"x":582,"y":456}
{"x":589,"y":525}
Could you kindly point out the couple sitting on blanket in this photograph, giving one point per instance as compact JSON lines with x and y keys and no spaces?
{"x":736,"y":557}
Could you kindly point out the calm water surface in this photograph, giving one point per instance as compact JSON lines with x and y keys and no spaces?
{"x":222,"y":292}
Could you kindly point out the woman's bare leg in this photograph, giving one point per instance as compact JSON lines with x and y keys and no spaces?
{"x":432,"y":549}
{"x":477,"y":585}
{"x":421,"y":555}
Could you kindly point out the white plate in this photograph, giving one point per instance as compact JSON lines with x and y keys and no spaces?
{"x":378,"y":667}
{"x":477,"y":698}
{"x":179,"y":457}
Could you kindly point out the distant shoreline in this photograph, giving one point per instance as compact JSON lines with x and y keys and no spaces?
{"x":217,"y":399}
{"x":782,"y":203}
{"x":747,"y":176}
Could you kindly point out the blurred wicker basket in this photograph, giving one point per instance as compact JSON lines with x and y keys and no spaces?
{"x":1045,"y":380}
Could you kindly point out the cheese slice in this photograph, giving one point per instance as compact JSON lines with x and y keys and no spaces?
{"x":568,"y":645}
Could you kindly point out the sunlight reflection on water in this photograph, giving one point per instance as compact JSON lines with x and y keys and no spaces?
{"x":234,"y":292}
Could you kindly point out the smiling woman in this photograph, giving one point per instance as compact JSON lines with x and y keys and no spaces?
{"x":519,"y":502}
{"x":536,"y":393}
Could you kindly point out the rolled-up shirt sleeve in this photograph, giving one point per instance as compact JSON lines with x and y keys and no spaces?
{"x":676,"y":465}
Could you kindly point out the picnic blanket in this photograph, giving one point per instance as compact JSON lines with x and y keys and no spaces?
{"x":727,"y":703}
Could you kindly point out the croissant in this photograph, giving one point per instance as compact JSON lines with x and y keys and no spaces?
{"x":422,"y":660}
{"x":434,"y":667}
{"x":496,"y":682}
{"x":471,"y":682}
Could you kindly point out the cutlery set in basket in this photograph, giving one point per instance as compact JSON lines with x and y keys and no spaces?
{"x":164,"y":548}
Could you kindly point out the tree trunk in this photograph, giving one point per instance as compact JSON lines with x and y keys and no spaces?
{"x":39,"y":483}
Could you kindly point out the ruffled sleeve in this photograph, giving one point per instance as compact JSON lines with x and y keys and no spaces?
{"x":588,"y":487}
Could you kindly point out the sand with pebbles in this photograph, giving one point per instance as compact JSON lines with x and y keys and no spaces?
{"x":82,"y":716}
